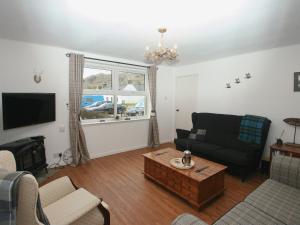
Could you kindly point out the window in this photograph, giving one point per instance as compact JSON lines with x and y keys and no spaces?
{"x":132,"y":106}
{"x":97,"y":107}
{"x":112,"y":93}
{"x":97,"y":79}
{"x":131,"y":81}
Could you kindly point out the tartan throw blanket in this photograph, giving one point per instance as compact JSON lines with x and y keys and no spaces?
{"x":251,"y":129}
{"x":9,"y":186}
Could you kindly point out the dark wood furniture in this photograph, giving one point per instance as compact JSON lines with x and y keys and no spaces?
{"x":284,"y":149}
{"x":196,"y":187}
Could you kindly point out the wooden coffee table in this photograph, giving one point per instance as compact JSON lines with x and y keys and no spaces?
{"x":196,"y":187}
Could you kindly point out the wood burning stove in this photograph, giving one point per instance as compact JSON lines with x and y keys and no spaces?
{"x":29,"y":153}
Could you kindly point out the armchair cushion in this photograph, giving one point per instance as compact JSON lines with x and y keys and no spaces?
{"x":71,"y":207}
{"x":94,"y":217}
{"x":55,"y":190}
{"x":188,"y":219}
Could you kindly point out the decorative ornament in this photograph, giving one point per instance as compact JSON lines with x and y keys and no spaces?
{"x":228,"y":85}
{"x":37,"y":77}
{"x":247,"y":76}
{"x":237,"y":80}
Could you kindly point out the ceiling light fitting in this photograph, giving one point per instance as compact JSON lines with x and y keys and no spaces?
{"x":162,"y":53}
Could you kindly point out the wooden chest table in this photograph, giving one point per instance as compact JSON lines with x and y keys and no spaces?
{"x":196,"y":187}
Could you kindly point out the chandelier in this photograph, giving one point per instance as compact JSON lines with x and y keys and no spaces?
{"x":162,"y":53}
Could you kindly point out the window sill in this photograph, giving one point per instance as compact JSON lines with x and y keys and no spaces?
{"x":88,"y":123}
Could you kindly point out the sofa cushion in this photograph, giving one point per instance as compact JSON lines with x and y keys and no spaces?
{"x":246,"y":214}
{"x":242,"y":146}
{"x":71,"y":207}
{"x":220,"y":128}
{"x":184,"y":143}
{"x":204,"y":149}
{"x":197,"y":134}
{"x":234,"y":156}
{"x":215,"y":152}
{"x":278,"y":200}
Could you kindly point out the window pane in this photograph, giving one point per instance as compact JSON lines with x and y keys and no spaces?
{"x":97,"y":79}
{"x":97,"y":107}
{"x":133,"y":106}
{"x":131,"y":81}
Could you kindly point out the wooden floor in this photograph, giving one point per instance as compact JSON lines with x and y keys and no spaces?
{"x":135,"y":200}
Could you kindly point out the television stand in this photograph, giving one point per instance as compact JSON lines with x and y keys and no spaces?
{"x":29,"y":154}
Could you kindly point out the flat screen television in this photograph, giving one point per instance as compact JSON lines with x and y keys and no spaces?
{"x":24,"y":109}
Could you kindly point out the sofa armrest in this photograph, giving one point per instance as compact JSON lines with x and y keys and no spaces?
{"x":188,"y":219}
{"x":182,"y":133}
{"x":286,"y":169}
{"x":55,"y":190}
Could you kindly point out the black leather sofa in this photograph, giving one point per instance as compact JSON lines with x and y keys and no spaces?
{"x":221,"y":142}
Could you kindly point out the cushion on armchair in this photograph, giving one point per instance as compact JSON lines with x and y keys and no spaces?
{"x":71,"y":207}
{"x":55,"y":190}
{"x":188,"y":219}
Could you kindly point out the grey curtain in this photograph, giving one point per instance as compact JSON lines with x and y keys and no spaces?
{"x":78,"y":143}
{"x":153,"y":138}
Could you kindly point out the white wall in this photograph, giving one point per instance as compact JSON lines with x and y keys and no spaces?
{"x":18,"y":60}
{"x":268,"y":93}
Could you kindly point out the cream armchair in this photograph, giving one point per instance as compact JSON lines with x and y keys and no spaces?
{"x":62,"y":201}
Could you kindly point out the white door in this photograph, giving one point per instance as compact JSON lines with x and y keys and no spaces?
{"x":185,"y":100}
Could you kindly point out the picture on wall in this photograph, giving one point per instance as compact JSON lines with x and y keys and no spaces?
{"x":297,"y":81}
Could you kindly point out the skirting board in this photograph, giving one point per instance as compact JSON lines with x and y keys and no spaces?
{"x":131,"y":148}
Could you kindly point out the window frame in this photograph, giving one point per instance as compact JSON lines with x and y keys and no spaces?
{"x":115,"y":92}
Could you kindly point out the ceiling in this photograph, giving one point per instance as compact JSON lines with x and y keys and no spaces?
{"x":202,"y":29}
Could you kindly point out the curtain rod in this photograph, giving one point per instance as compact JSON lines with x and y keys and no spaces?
{"x":110,"y":61}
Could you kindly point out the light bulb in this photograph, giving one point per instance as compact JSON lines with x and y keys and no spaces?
{"x":147,"y":48}
{"x":175,"y":46}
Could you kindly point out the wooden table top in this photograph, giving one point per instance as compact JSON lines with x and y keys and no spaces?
{"x":163,"y":156}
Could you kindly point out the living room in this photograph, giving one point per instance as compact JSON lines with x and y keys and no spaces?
{"x":238,"y":57}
